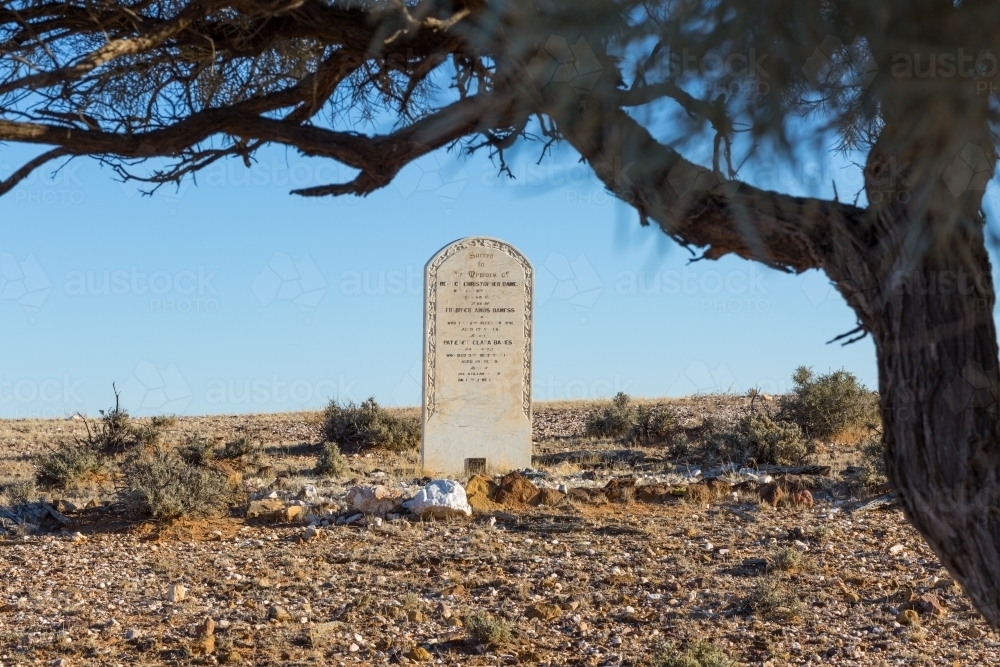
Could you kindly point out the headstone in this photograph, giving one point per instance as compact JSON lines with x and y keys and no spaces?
{"x":477,"y":358}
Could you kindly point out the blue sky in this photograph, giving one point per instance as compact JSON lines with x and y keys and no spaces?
{"x":232,"y":296}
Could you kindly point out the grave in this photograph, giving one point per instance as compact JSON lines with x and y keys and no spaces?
{"x":477,"y":358}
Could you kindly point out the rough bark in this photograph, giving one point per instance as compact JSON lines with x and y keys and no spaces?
{"x":915,"y":269}
{"x":932,"y":322}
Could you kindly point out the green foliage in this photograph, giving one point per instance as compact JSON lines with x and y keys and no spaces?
{"x":163,"y":422}
{"x":67,"y":466}
{"x":116,"y":433}
{"x":639,"y":424}
{"x":771,"y":598}
{"x":19,"y":491}
{"x":765,"y":440}
{"x":163,"y":486}
{"x":873,"y":462}
{"x":197,"y":452}
{"x":825,"y":405}
{"x":331,"y":463}
{"x":699,"y":654}
{"x":488,"y":629}
{"x":356,"y":427}
{"x":786,"y":560}
{"x":243,"y":449}
{"x":615,"y":420}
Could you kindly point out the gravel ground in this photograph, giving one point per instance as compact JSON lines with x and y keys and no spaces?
{"x":577,"y":583}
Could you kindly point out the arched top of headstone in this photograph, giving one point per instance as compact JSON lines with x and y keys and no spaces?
{"x":479,"y":242}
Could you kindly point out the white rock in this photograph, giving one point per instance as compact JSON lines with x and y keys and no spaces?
{"x":896,"y":549}
{"x":441,"y":498}
{"x":176,"y":593}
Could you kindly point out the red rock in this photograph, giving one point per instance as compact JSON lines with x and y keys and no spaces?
{"x":516,"y":490}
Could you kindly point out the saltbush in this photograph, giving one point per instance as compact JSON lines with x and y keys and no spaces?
{"x":488,"y":629}
{"x":354,"y":427}
{"x":160,"y":484}
{"x":330,"y":463}
{"x":699,"y":654}
{"x":765,"y":440}
{"x":67,"y":466}
{"x":635,"y":424}
{"x":825,"y":405}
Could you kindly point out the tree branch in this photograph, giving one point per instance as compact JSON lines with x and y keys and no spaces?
{"x":25,"y":171}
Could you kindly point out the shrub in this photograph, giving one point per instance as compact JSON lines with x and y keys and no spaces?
{"x":786,"y":560}
{"x":487,"y":629}
{"x":825,"y":405}
{"x":197,"y":451}
{"x":765,"y":440}
{"x":615,"y":420}
{"x":243,"y":449}
{"x":162,"y":422}
{"x":699,"y":654}
{"x":355,"y":427}
{"x":653,"y":424}
{"x":116,"y":433}
{"x":67,"y":466}
{"x":770,"y":598}
{"x":632,"y":423}
{"x":873,"y":472}
{"x":163,"y":486}
{"x":331,"y":463}
{"x":19,"y":491}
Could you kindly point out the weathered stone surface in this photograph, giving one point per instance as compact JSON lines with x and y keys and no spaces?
{"x":586,"y":494}
{"x":543,"y":611}
{"x":621,"y":489}
{"x":374,"y":500}
{"x":176,"y":593}
{"x":516,"y":490}
{"x":265,"y":509}
{"x":477,"y":358}
{"x":481,"y":493}
{"x":549,"y":497}
{"x":440,"y":499}
{"x":653,"y":493}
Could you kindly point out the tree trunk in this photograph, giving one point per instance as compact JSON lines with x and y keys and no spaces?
{"x":914,"y":268}
{"x":931,"y":316}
